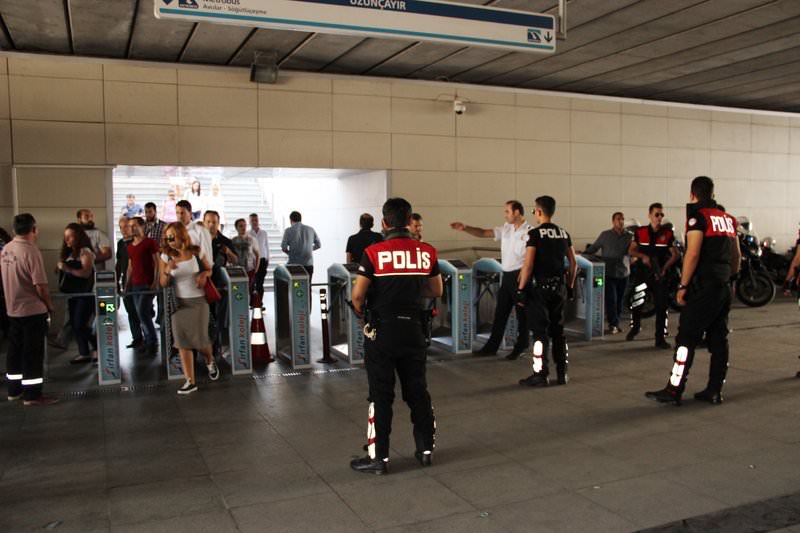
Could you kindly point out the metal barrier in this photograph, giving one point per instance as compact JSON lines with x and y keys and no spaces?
{"x":238,"y":297}
{"x":107,"y":305}
{"x":346,"y":334}
{"x":588,"y":307}
{"x":486,"y":278}
{"x":292,"y":328}
{"x":452,"y":326}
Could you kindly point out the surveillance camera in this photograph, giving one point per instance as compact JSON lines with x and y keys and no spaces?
{"x":459,"y":107}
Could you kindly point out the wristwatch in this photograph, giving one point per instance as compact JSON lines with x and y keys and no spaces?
{"x":681,"y":286}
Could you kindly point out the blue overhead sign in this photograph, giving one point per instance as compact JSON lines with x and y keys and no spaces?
{"x":426,"y":20}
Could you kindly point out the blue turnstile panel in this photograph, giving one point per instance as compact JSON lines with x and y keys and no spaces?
{"x":586,"y":314}
{"x":452,"y":330}
{"x":486,"y":278}
{"x":105,"y":288}
{"x":238,"y":295}
{"x":346,"y":332}
{"x":292,"y":302}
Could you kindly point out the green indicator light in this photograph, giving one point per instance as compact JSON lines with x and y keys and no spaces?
{"x":461,"y":277}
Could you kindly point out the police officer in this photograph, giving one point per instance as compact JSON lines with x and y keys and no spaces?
{"x":394,"y":276}
{"x":712,"y":258}
{"x":543,"y":291}
{"x":654,"y":246}
{"x":513,"y":236}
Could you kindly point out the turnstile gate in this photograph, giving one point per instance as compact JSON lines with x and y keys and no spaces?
{"x":292,"y":328}
{"x":585,"y":315}
{"x":238,"y":299}
{"x":346,"y":333}
{"x":486,"y":278}
{"x":105,"y":288}
{"x":452,"y":325}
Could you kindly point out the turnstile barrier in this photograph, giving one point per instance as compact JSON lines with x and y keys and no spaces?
{"x":346,"y":333}
{"x":238,"y":296}
{"x":452,"y":326}
{"x":105,"y":288}
{"x":586,"y":313}
{"x":292,"y":328}
{"x":486,"y":278}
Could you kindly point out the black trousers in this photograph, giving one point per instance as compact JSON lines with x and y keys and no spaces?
{"x":399,"y":349}
{"x":81,"y":315}
{"x":659,"y":290}
{"x":25,"y":357}
{"x":546,"y":321}
{"x":505,"y":302}
{"x":706,"y":311}
{"x":133,"y":319}
{"x":615,"y":296}
{"x":261,"y":274}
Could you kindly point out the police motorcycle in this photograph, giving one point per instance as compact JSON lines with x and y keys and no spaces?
{"x":777,"y":264}
{"x":754,"y":284}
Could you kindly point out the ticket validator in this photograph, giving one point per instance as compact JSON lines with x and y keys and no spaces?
{"x":346,"y":331}
{"x":452,"y":325}
{"x":586,"y":313}
{"x":292,"y":327}
{"x":105,"y":288}
{"x":238,"y":295}
{"x":487,"y":276}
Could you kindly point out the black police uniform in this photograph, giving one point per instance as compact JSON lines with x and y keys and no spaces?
{"x":398,"y":268}
{"x":656,"y":245}
{"x":708,"y":301}
{"x":356,"y":244}
{"x":546,"y":295}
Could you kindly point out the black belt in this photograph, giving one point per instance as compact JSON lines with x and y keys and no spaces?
{"x":551,"y":283}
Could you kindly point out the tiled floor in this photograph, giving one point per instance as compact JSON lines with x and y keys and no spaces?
{"x":272,"y":454}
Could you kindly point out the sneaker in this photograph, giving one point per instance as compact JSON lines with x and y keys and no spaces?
{"x":367,"y":465}
{"x":707,"y":395}
{"x":213,"y":371}
{"x":631,"y":335}
{"x":41,"y":400}
{"x":187,"y":388}
{"x":613,"y":330}
{"x":424,"y":458}
{"x":14,"y":397}
{"x":535,"y":380}
{"x":665,"y":395}
{"x":663,"y":345}
{"x":136,"y":344}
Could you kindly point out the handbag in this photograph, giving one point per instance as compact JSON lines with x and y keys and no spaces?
{"x":212,"y":294}
{"x":69,"y":284}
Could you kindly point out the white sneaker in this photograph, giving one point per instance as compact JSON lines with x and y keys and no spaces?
{"x":213,"y":371}
{"x":187,"y":388}
{"x":614,"y":330}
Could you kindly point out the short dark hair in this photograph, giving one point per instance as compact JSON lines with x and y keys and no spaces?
{"x":130,"y":195}
{"x":295,"y":216}
{"x":253,"y":215}
{"x":653,"y":206}
{"x":139,"y":220}
{"x":24,"y":224}
{"x":211,"y":212}
{"x":516,"y":205}
{"x":703,"y":188}
{"x":397,"y":212}
{"x":80,"y":212}
{"x":149,"y":205}
{"x":185,"y":204}
{"x":547,"y":204}
{"x":614,"y":215}
{"x":236,"y":223}
{"x":366,"y":221}
{"x":416,"y":216}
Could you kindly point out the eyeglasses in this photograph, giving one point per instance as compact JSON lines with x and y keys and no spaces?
{"x":659,"y":215}
{"x":170,"y":238}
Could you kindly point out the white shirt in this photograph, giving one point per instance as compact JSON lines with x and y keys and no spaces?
{"x":513,"y":242}
{"x":202,"y":238}
{"x":185,"y":276}
{"x":263,"y":242}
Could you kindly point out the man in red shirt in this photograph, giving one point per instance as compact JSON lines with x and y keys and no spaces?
{"x":142,"y":261}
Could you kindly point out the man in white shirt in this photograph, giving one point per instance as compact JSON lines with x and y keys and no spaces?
{"x":101,"y":245}
{"x":263,"y":250}
{"x":199,"y":235}
{"x":513,"y":237}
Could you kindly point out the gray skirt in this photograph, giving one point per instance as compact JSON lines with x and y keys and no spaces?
{"x":190,"y":324}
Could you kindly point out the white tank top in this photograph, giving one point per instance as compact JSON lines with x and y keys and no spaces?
{"x":185,"y":276}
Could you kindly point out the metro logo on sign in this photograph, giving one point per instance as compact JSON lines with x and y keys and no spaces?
{"x":421,"y":20}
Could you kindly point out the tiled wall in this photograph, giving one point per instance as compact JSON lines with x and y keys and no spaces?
{"x":594,"y":155}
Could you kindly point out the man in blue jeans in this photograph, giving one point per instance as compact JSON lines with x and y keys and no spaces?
{"x":614,"y":244}
{"x":141,"y":278}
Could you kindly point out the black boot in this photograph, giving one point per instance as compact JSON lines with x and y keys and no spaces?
{"x":562,"y":377}
{"x":424,"y":458}
{"x":424,"y":451}
{"x":535,"y":380}
{"x":665,"y":395}
{"x":712,"y":396}
{"x":367,"y":465}
{"x":486,"y":350}
{"x":663,"y":344}
{"x":515,"y":354}
{"x":631,"y":334}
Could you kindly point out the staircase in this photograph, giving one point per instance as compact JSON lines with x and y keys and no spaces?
{"x":242,"y":197}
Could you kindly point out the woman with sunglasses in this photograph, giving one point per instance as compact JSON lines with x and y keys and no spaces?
{"x":179,"y":267}
{"x":76,"y":275}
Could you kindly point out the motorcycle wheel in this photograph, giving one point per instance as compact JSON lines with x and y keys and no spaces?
{"x":756,"y":290}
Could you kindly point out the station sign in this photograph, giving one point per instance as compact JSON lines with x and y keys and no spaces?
{"x":421,"y":20}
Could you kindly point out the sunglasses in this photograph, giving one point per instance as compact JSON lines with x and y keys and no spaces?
{"x":659,"y":215}
{"x":170,"y":238}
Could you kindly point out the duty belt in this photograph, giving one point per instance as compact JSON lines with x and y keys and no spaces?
{"x":553,"y":283}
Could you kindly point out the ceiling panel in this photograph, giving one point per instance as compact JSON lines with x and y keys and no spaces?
{"x":722,"y":52}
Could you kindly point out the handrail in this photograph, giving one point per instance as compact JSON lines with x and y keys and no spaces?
{"x":473,"y":249}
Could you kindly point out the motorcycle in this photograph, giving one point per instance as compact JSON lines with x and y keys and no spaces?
{"x":777,"y":264}
{"x":754,"y":286}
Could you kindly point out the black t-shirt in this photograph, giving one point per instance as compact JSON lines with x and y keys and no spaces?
{"x":551,"y":243}
{"x":719,"y":239}
{"x":398,"y":268}
{"x":356,"y":244}
{"x":220,"y":259}
{"x":656,"y":244}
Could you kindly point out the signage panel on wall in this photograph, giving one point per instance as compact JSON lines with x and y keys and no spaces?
{"x":423,"y":20}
